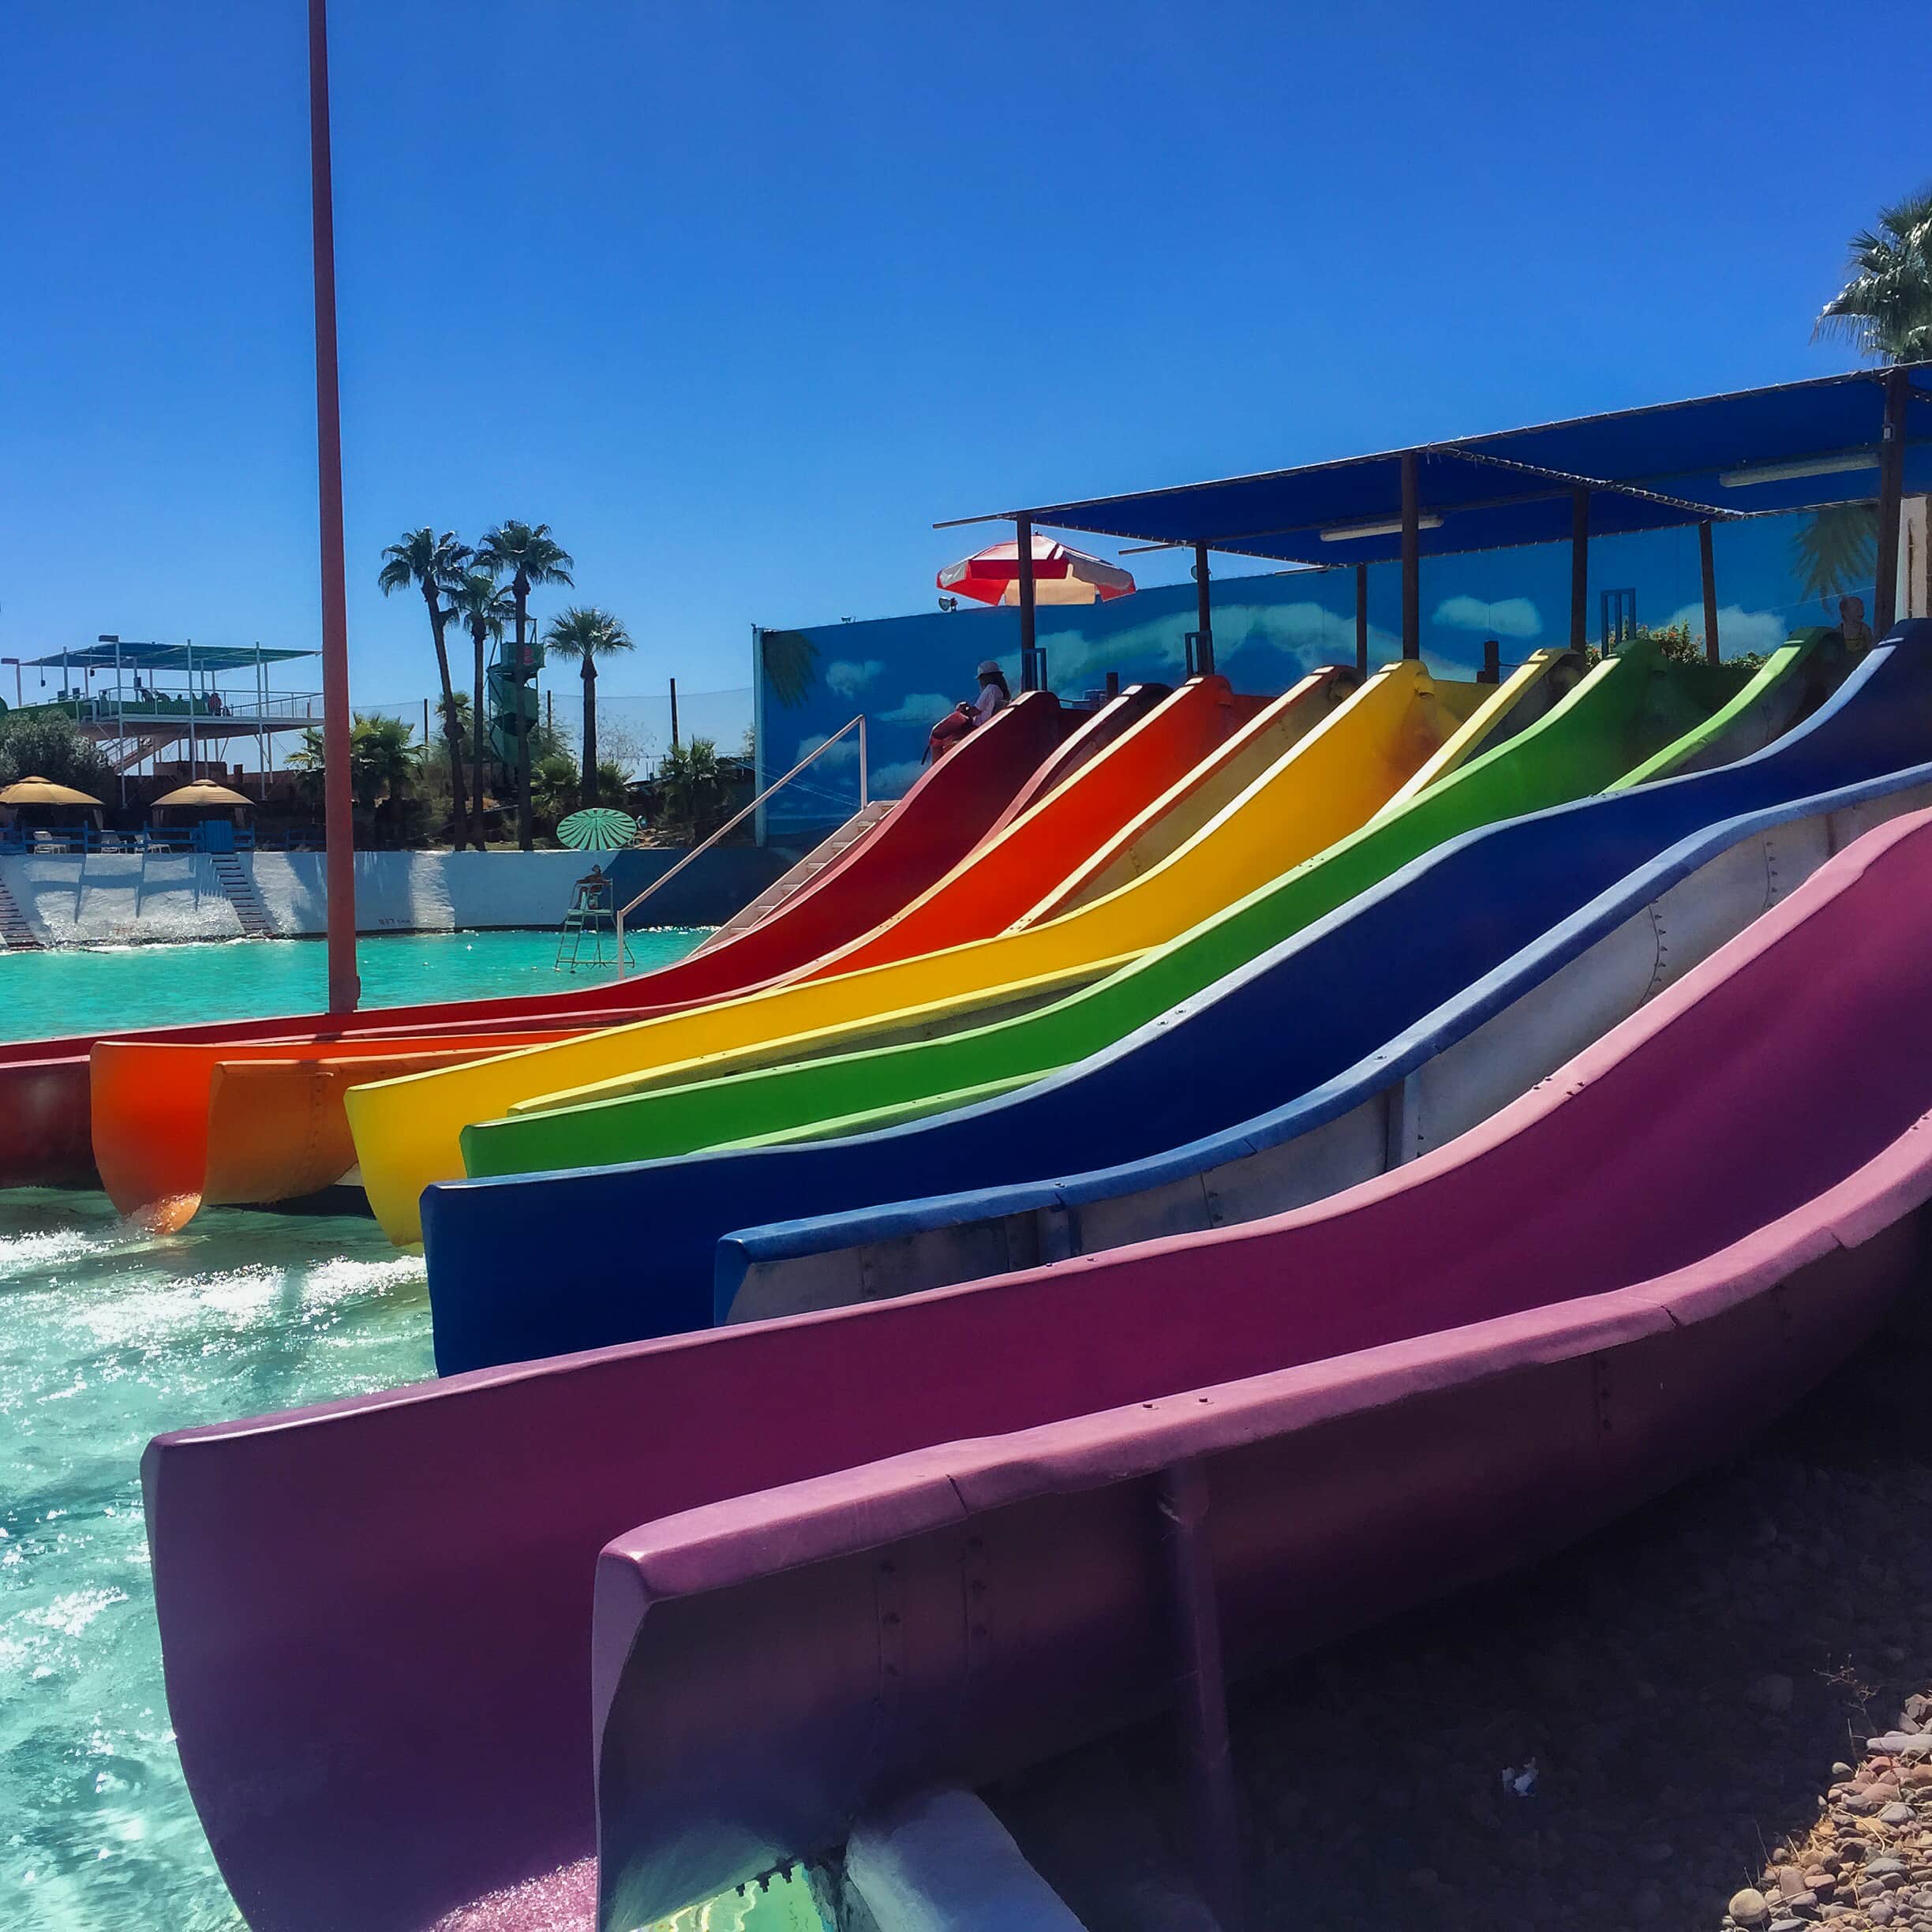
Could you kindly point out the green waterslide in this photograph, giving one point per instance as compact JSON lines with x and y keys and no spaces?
{"x":1614,"y":722}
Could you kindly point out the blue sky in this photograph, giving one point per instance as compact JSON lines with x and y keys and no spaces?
{"x":741,"y":297}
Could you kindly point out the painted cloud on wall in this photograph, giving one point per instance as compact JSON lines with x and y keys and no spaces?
{"x":1739,"y":631}
{"x":842,"y":752}
{"x":849,"y":678}
{"x":918,"y":708}
{"x":1508,"y":617}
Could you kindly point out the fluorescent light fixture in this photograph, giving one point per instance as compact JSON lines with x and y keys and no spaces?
{"x":1347,"y":533}
{"x":1791,"y":472}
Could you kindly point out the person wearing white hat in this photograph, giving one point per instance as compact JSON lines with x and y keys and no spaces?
{"x":993,"y":693}
{"x":964,"y":716}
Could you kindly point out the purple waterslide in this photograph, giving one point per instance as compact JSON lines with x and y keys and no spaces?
{"x":376,"y":1614}
{"x":1470,"y":1362}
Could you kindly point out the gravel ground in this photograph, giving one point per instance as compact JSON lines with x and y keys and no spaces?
{"x":1705,"y":1717}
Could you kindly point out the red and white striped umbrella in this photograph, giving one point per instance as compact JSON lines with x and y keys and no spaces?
{"x":1060,"y":575}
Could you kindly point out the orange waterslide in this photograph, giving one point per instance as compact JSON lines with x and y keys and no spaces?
{"x":1267,"y":731}
{"x":179,"y":1127}
{"x":153,"y":1106}
{"x":1160,"y":736}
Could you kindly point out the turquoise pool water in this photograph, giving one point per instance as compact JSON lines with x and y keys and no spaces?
{"x":108,"y":1335}
{"x":88,"y":990}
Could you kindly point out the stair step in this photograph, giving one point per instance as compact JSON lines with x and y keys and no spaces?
{"x":802,"y":874}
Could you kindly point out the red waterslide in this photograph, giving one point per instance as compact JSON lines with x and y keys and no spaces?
{"x":45,"y":1136}
{"x":375,"y":1614}
{"x":1125,"y":757}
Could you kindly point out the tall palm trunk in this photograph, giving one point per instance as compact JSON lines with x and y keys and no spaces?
{"x":590,"y":732}
{"x":526,"y":838}
{"x":479,"y":720}
{"x":451,"y":731}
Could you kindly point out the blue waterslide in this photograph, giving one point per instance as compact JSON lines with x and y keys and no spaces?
{"x":1295,"y":1018}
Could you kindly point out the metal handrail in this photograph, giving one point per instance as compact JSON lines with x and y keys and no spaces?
{"x":738,"y":817}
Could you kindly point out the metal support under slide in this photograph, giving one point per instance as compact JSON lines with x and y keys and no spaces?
{"x":1201,"y":1688}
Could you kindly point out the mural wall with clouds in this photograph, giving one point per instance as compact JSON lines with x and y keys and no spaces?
{"x":1774,"y":575}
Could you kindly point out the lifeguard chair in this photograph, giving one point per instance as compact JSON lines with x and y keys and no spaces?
{"x":592,"y":913}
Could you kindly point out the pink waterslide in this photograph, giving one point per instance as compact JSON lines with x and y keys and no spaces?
{"x":376,"y":1616}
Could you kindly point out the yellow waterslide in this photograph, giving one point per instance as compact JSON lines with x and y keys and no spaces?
{"x":1327,"y":784}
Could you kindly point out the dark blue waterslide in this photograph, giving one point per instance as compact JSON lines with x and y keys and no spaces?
{"x":1292,"y":1020}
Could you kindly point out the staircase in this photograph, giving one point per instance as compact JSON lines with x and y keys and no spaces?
{"x":239,"y":889}
{"x":802,"y":873}
{"x":16,"y":934}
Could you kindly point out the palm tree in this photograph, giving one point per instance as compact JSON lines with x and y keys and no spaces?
{"x":587,"y":635}
{"x":1885,"y":309}
{"x":481,"y":606}
{"x":431,"y":563}
{"x":1885,"y":305}
{"x":690,"y":783}
{"x":382,"y":758}
{"x":528,"y":555}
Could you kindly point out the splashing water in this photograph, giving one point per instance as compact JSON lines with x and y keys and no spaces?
{"x":108,"y":1334}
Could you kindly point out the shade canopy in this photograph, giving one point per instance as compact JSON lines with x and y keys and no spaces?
{"x":202,"y":793}
{"x":1061,"y":576}
{"x":597,"y":828}
{"x":43,"y":792}
{"x":181,"y":657}
{"x":1713,"y":459}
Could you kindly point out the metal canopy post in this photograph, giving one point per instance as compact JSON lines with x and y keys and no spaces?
{"x":1579,"y":568}
{"x":1029,"y":662}
{"x":1200,"y":1688}
{"x":1362,"y":620}
{"x":1891,"y":501}
{"x":1411,"y":560}
{"x":1708,"y":566}
{"x":1203,"y":616}
{"x":191,"y":721}
{"x":337,"y":813}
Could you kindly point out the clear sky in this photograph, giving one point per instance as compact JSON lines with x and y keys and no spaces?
{"x":740,"y":297}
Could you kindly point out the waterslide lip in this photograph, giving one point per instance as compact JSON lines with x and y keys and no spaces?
{"x":1403,"y":1053}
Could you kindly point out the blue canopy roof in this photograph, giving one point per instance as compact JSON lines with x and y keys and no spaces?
{"x":183,"y":658}
{"x":1712,"y":458}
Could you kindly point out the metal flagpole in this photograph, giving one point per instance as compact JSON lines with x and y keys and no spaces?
{"x":338,"y":821}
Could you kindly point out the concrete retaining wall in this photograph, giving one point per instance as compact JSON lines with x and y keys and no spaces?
{"x":122,"y":898}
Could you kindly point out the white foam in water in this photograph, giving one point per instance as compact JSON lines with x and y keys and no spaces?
{"x":108,"y":1337}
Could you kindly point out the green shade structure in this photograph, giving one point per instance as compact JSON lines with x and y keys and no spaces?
{"x":598,"y":828}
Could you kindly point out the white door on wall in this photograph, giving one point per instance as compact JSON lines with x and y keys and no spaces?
{"x":1915,"y":565}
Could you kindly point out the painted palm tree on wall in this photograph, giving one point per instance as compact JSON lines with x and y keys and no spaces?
{"x":588,"y":634}
{"x":1884,"y":310}
{"x":528,"y":555}
{"x":430,"y":563}
{"x":482,"y":607}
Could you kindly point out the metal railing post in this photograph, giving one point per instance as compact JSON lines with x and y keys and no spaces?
{"x":738,"y":817}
